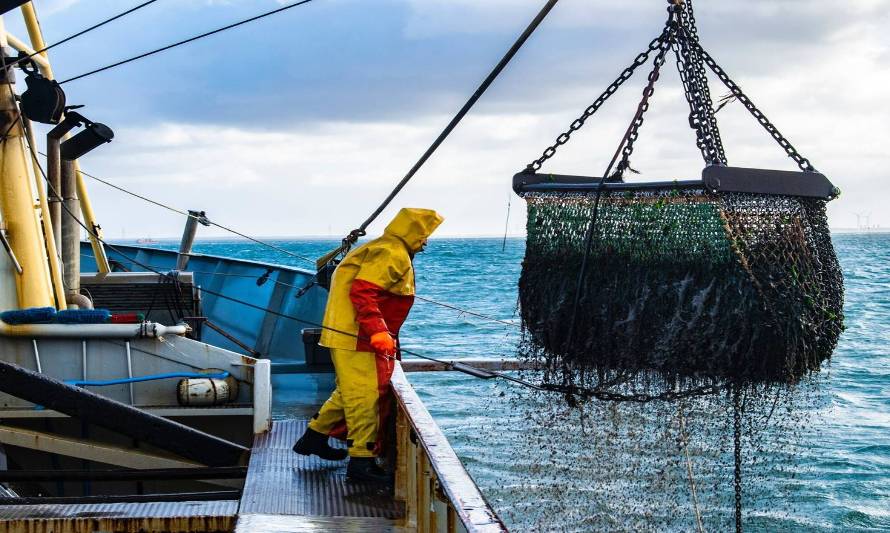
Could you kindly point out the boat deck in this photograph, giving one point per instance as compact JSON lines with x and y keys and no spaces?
{"x":206,"y":517}
{"x":287,"y":492}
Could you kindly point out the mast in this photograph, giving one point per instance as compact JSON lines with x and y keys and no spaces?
{"x":17,"y":207}
{"x":86,"y":207}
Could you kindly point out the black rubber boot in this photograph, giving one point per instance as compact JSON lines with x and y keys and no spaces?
{"x":366,"y":469}
{"x":315,"y":443}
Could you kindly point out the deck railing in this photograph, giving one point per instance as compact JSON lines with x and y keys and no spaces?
{"x":439,"y":494}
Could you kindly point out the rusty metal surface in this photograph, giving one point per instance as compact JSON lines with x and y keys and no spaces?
{"x":120,"y":517}
{"x":301,"y":524}
{"x":470,"y":505}
{"x":281,"y":482}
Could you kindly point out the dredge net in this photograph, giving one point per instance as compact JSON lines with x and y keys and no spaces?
{"x":702,"y":318}
{"x":683,"y":290}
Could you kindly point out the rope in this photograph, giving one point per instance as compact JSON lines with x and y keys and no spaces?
{"x":82,"y":32}
{"x":689,"y":474}
{"x":185,"y":41}
{"x":533,"y":25}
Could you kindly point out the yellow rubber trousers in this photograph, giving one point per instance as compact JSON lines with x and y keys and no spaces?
{"x":361,"y":399}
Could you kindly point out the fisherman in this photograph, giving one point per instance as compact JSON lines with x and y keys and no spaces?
{"x":371,"y":293}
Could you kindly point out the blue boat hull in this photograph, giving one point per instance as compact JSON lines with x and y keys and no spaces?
{"x":263,"y":330}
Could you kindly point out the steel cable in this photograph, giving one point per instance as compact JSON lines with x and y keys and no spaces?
{"x":185,"y":41}
{"x":82,"y":32}
{"x":280,"y":249}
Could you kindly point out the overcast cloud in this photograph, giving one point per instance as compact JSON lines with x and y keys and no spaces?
{"x":299,"y":124}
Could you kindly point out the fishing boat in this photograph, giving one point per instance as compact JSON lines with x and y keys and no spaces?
{"x":138,"y":383}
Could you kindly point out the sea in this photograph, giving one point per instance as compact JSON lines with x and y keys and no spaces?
{"x":836,"y":479}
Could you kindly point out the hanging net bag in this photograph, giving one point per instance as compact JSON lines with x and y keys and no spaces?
{"x":731,"y":278}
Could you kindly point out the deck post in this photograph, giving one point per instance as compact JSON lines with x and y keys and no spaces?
{"x":188,"y":238}
{"x":20,"y":220}
{"x":262,"y":396}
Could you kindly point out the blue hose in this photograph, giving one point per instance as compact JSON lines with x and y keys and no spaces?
{"x":125,"y":381}
{"x":31,"y":315}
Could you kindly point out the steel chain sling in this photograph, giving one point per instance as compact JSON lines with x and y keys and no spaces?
{"x":699,"y":98}
{"x":625,"y":75}
{"x":634,"y":132}
{"x":792,"y":152}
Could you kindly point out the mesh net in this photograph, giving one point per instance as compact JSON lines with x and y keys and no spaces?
{"x":683,"y":288}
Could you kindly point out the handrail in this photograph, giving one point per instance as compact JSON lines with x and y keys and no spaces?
{"x":92,"y":331}
{"x":439,"y":493}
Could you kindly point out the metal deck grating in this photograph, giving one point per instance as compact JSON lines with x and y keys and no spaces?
{"x":150,"y":516}
{"x":281,"y":482}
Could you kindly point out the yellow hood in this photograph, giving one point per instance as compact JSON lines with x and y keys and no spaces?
{"x":413,"y":225}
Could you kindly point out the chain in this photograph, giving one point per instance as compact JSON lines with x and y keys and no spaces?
{"x":634,"y":131}
{"x":792,"y":152}
{"x":737,"y":444}
{"x":687,"y":15}
{"x":702,"y":117}
{"x":625,"y":75}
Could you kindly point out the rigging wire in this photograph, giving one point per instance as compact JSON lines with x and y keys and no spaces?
{"x":82,"y":32}
{"x":187,"y":214}
{"x":463,"y":367}
{"x":185,"y":41}
{"x":486,"y":83}
{"x":280,"y":249}
{"x":461,"y":311}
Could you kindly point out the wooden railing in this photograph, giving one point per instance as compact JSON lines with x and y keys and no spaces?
{"x":439,"y":494}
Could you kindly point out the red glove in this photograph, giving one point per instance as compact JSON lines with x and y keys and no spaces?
{"x":383,"y":343}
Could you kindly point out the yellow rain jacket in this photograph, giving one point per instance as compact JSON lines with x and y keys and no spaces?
{"x":373,"y":287}
{"x":372,"y":291}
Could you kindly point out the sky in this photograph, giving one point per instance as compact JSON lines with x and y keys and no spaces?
{"x":299,"y":124}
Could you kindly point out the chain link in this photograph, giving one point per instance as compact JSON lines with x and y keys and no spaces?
{"x":634,"y":131}
{"x":625,"y":75}
{"x":792,"y":152}
{"x":689,"y":31}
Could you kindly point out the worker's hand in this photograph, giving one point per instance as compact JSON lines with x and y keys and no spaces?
{"x":383,"y":343}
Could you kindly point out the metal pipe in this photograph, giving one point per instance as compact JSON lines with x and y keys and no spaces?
{"x":188,"y":238}
{"x":52,"y":251}
{"x":37,"y":357}
{"x":54,"y":182}
{"x":70,"y":234}
{"x":21,"y":46}
{"x":217,"y":472}
{"x":229,"y":336}
{"x":130,"y":372}
{"x":89,"y":218}
{"x":92,"y":331}
{"x":79,"y":301}
{"x":95,"y":234}
{"x":33,"y":286}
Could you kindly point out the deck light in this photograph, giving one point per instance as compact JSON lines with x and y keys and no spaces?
{"x":93,"y":135}
{"x":9,"y":5}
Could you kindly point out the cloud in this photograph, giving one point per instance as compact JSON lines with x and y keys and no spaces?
{"x":312,"y":136}
{"x":52,"y":7}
